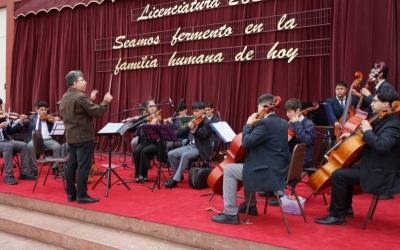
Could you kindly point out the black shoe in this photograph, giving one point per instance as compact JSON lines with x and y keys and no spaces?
{"x":170,"y":183}
{"x":27,"y":177}
{"x":56,"y":172}
{"x":33,"y":172}
{"x":182,"y":179}
{"x":71,"y":198}
{"x":264,"y":194}
{"x":386,"y":197}
{"x":140,"y":180}
{"x":252,"y":209}
{"x":348,"y":212}
{"x":330,"y":220}
{"x":10,"y":180}
{"x":226,"y":219}
{"x":86,"y":200}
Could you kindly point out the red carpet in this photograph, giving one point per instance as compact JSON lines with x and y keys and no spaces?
{"x":183,"y":207}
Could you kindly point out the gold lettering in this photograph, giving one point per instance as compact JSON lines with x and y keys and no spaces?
{"x":143,"y":64}
{"x":290,"y":24}
{"x":142,"y":17}
{"x":254,"y":28}
{"x":119,"y":42}
{"x":173,"y":61}
{"x":223,"y":31}
{"x":240,"y":56}
{"x":274,"y":53}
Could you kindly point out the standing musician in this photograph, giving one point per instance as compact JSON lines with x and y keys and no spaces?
{"x":265,"y":165}
{"x":336,"y":106}
{"x":176,"y":126}
{"x":304,"y":132}
{"x":380,"y":83}
{"x":380,"y":160}
{"x":78,"y":111}
{"x":146,"y":148}
{"x":43,"y":122}
{"x":198,"y":133}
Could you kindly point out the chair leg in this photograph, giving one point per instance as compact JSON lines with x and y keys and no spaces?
{"x":47,"y":174}
{"x":301,"y":208}
{"x":371,"y":210}
{"x":62,"y":176}
{"x":323,"y":196}
{"x":266,"y":203}
{"x":248,"y":207}
{"x":283,"y":213}
{"x":37,"y":178}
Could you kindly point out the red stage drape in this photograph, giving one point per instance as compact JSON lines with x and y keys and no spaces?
{"x":48,"y":45}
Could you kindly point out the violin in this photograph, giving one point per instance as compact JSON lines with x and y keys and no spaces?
{"x":315,"y":106}
{"x":235,"y":154}
{"x":347,"y":152}
{"x":195,"y":122}
{"x":47,"y":118}
{"x":156,"y":115}
{"x":12,"y":116}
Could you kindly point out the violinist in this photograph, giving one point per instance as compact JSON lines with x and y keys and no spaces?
{"x":43,"y":122}
{"x":265,"y":165}
{"x":198,"y":133}
{"x":176,"y":126}
{"x":380,"y":159}
{"x":336,"y":106}
{"x":380,"y":83}
{"x":146,"y":148}
{"x":304,"y":132}
{"x":7,"y":146}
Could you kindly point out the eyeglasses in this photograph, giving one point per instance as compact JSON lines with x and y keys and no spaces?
{"x":152,"y":106}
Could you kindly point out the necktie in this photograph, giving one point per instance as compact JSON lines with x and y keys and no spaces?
{"x":40,"y":126}
{"x":342,"y":102}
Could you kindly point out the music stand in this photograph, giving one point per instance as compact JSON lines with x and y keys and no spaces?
{"x":110,"y":130}
{"x":58,"y":128}
{"x":320,"y":117}
{"x":165,"y":133}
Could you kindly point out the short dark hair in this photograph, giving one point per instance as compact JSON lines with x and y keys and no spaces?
{"x":1,"y":101}
{"x":208,"y":105}
{"x":198,"y":105}
{"x":293,"y":104}
{"x":182,"y":107}
{"x":340,"y":83}
{"x":40,"y":104}
{"x":72,"y":77}
{"x":265,"y":99}
{"x":387,"y":95}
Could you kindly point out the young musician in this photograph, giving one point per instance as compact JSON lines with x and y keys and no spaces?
{"x":135,"y":129}
{"x":43,"y":122}
{"x":146,"y":148}
{"x":78,"y":111}
{"x":304,"y":132}
{"x":380,"y":160}
{"x":265,"y":165}
{"x":209,"y":110}
{"x":7,"y":146}
{"x":176,"y":126}
{"x":198,"y":133}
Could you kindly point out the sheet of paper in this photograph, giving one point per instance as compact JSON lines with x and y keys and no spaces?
{"x":111,"y":128}
{"x":224,"y":131}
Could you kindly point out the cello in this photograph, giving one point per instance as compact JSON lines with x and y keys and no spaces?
{"x":347,"y":152}
{"x":235,"y":154}
{"x":315,"y":106}
{"x":359,"y":115}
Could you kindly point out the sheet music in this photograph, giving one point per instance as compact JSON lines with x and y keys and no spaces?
{"x":184,"y":120}
{"x":224,"y":131}
{"x":111,"y":128}
{"x":58,"y":128}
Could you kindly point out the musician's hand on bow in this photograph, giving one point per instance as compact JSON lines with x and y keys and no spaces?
{"x":23,"y":117}
{"x":365,"y":126}
{"x":252,"y":119}
{"x":108,"y":97}
{"x":93,"y":95}
{"x":154,"y":121}
{"x":337,"y":125}
{"x":365,"y":92}
{"x":344,"y":136}
{"x":3,"y":125}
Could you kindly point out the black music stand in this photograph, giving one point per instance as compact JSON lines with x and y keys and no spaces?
{"x":110,"y":130}
{"x":165,"y":133}
{"x":320,"y":117}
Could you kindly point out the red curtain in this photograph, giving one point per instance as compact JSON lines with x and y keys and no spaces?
{"x":48,"y":46}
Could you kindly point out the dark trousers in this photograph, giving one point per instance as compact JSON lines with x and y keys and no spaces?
{"x":143,"y":157}
{"x":343,"y":181}
{"x":80,"y":160}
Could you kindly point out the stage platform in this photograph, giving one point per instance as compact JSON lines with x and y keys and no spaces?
{"x":182,"y":216}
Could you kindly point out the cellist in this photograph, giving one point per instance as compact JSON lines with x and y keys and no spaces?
{"x":379,"y":162}
{"x":265,"y":165}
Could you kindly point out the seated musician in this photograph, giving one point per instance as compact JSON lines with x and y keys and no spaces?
{"x":199,"y":144}
{"x":265,"y":165}
{"x":7,"y":146}
{"x":134,"y":129}
{"x":304,"y":132}
{"x":336,"y":106}
{"x":380,"y":83}
{"x":176,"y":126}
{"x":41,"y":121}
{"x":380,"y":160}
{"x":146,"y":148}
{"x":210,"y":115}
